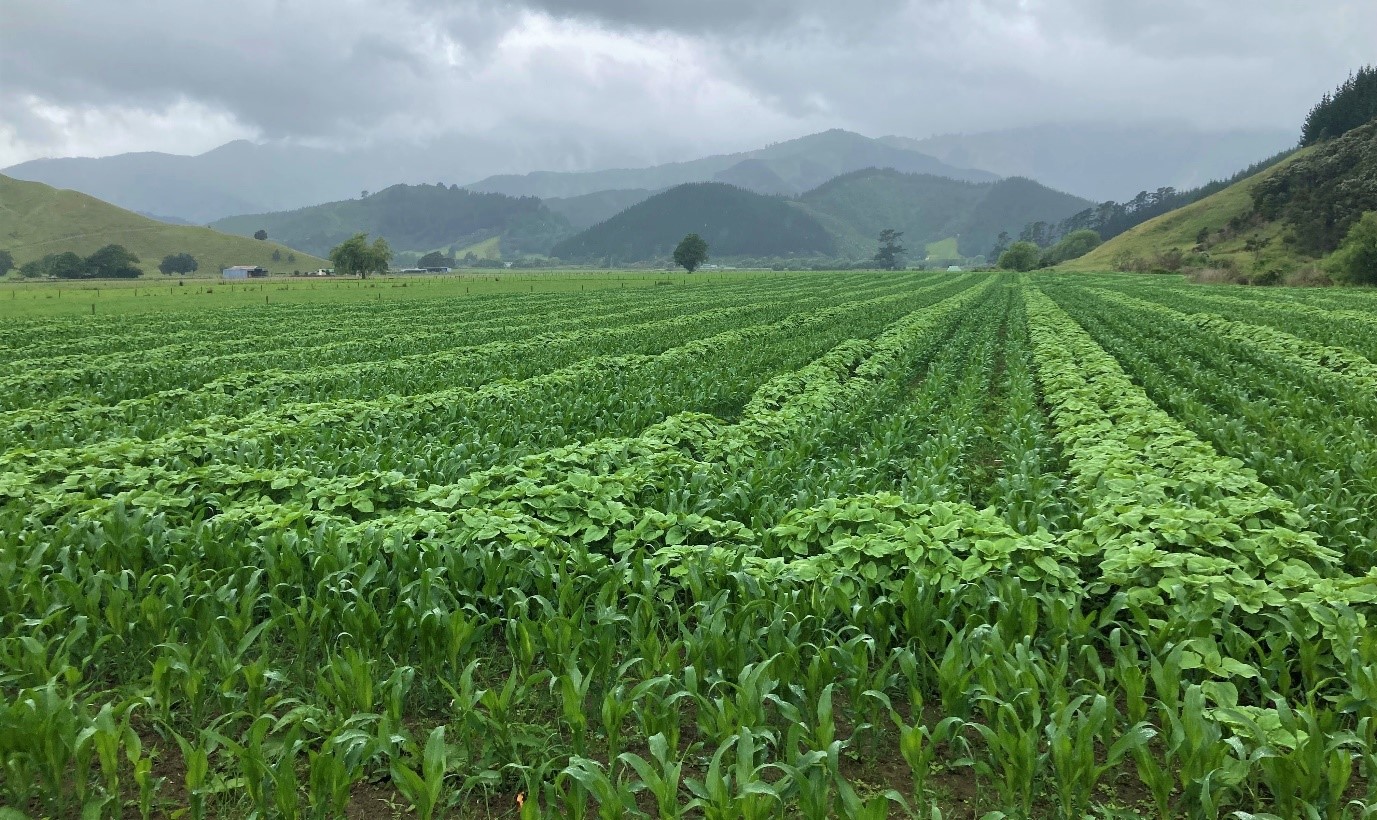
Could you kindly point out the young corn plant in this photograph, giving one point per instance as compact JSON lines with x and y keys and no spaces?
{"x":40,"y":734}
{"x":1303,"y":758}
{"x":614,"y":798}
{"x":1075,"y":731}
{"x":573,"y":687}
{"x":424,"y":787}
{"x":919,"y":746}
{"x":1013,"y":743}
{"x":196,"y":758}
{"x":1209,"y":771}
{"x":737,"y":790}
{"x":286,"y":782}
{"x":661,"y":776}
{"x":337,"y":766}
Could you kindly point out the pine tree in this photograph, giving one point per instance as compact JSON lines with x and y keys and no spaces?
{"x":891,"y":252}
{"x":1352,"y":104}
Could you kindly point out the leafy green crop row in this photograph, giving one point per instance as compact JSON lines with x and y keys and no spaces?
{"x":1322,"y":360}
{"x":1307,"y":438}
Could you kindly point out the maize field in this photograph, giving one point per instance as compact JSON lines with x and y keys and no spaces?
{"x":787,"y":546}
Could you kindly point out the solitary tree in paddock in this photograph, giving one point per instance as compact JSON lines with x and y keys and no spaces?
{"x":691,"y":253}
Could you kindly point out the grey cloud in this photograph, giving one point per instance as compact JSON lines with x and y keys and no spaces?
{"x":719,"y":17}
{"x":943,"y":66}
{"x":667,"y":78}
{"x":288,"y":69}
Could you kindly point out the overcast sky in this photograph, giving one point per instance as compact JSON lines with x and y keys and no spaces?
{"x":657,"y":79}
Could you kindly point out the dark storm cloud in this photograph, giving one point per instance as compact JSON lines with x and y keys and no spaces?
{"x":665,"y":78}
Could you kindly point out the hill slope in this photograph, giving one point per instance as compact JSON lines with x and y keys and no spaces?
{"x":929,"y":209}
{"x":413,"y":218}
{"x":1142,"y":246}
{"x":734,"y":221}
{"x":787,"y":167}
{"x":36,"y":220}
{"x":1287,"y":216}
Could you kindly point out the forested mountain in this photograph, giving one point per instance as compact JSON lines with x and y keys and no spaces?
{"x":928,"y":208}
{"x":413,"y":218}
{"x":1324,"y":191}
{"x":758,"y":175}
{"x":787,"y":167}
{"x":1098,"y":161}
{"x":734,"y":221}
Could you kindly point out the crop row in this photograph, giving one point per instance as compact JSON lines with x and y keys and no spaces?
{"x":1321,"y":360}
{"x":1308,"y":444}
{"x":113,"y":342}
{"x":1171,"y":517}
{"x":249,"y":392}
{"x":134,"y":374}
{"x":282,"y":325}
{"x":481,"y":426}
{"x":74,"y":420}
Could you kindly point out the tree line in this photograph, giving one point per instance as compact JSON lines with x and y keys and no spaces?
{"x":110,"y":262}
{"x":1352,"y":104}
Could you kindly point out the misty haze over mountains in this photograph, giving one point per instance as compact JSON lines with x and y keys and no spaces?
{"x":1097,"y":162}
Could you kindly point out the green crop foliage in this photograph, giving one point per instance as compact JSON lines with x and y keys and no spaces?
{"x":780,"y":546}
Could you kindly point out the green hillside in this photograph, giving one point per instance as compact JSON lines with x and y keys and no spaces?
{"x":490,"y":248}
{"x":1285,"y":218}
{"x":943,"y":249}
{"x":36,"y":220}
{"x":928,"y":209}
{"x":414,"y":218}
{"x":1178,"y":231}
{"x":1238,"y":237}
{"x":734,"y":221}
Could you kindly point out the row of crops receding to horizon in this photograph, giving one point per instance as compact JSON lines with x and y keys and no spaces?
{"x":798,"y":546}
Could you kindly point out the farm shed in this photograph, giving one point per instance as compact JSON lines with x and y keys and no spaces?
{"x":243,"y":272}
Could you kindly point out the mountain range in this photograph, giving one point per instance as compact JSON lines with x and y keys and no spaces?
{"x":928,"y":209}
{"x":1095,"y":161}
{"x":783,"y":168}
{"x":841,"y":218}
{"x":734,"y":222}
